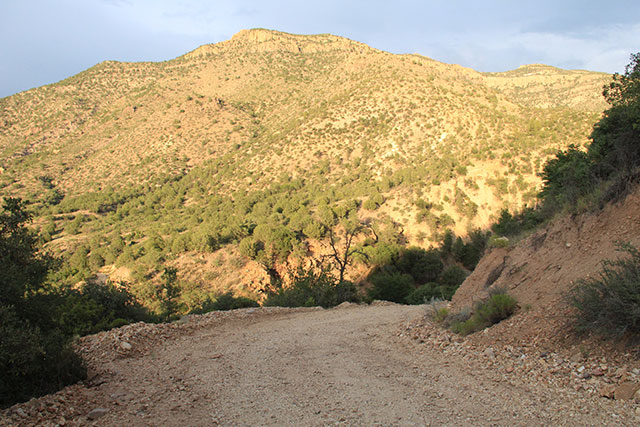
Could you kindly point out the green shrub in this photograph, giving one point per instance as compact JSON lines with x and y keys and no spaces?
{"x":98,"y":307}
{"x":312,"y":288}
{"x":496,"y":308}
{"x":227,"y":301}
{"x":498,"y":242}
{"x":440,"y":315}
{"x":423,"y":266}
{"x":452,"y":276}
{"x":424,"y":294}
{"x":33,"y":363}
{"x":610,"y":302}
{"x":393,"y":287}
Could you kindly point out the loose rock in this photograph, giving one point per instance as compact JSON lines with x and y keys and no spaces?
{"x":97,"y":413}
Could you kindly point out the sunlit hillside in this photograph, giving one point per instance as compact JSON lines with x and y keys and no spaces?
{"x":131,"y":167}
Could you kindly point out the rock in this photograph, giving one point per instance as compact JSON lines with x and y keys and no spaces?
{"x":97,"y":413}
{"x":20,"y":412}
{"x":597,"y":372}
{"x":626,"y":391}
{"x":125,"y":346}
{"x":345,"y":304}
{"x":577,"y":357}
{"x":489,"y":353}
{"x":620,"y":372}
{"x":607,"y":390}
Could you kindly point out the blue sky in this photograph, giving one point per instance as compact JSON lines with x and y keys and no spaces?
{"x":44,"y":41}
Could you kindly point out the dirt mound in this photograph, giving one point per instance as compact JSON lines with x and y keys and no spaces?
{"x":542,"y":268}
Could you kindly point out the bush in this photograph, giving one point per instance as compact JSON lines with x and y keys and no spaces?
{"x":610,"y":303}
{"x":566,"y":178}
{"x":498,"y":242}
{"x":393,"y":287}
{"x":98,"y":307}
{"x":228,"y":301}
{"x":312,"y":288}
{"x":424,"y":266}
{"x":33,"y":363}
{"x":452,"y":276}
{"x":424,"y":294}
{"x":496,"y":308}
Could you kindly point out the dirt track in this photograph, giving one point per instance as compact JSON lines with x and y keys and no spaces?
{"x":349,"y":366}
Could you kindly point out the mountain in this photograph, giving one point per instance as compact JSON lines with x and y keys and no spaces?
{"x":169,"y":162}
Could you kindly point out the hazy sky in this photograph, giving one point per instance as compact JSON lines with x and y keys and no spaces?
{"x":44,"y":41}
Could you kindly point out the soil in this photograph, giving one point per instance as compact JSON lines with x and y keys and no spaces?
{"x":382,"y":364}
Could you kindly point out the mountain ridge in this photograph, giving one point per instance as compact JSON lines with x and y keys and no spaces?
{"x":438,"y":146}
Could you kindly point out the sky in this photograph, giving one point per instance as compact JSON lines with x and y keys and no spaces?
{"x":44,"y":41}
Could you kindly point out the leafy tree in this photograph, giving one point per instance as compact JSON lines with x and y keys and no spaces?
{"x":393,"y":286}
{"x":341,"y":242}
{"x":168,"y":292}
{"x":24,"y":268}
{"x":35,"y":357}
{"x":424,"y":266}
{"x":447,"y":242}
{"x":567,"y":177}
{"x":311,"y":287}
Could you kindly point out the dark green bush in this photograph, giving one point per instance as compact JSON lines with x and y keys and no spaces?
{"x":227,"y":301}
{"x":610,"y":302}
{"x":393,"y":287}
{"x":98,"y":307}
{"x":566,"y":178}
{"x":452,"y":276}
{"x":312,"y":288}
{"x":424,"y":266}
{"x":496,"y":308}
{"x":423,"y":294}
{"x":32,"y":362}
{"x":509,"y":225}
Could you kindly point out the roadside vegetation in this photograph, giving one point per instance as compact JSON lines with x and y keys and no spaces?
{"x":576,"y":180}
{"x":609,"y":303}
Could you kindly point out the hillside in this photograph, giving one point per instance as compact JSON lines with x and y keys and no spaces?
{"x":179,"y":161}
{"x":540,"y":270}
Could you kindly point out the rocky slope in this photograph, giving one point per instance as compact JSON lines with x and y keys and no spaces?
{"x":539,"y":271}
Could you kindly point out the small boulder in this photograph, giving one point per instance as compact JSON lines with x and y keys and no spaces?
{"x":626,"y":390}
{"x":97,"y":413}
{"x":607,"y":390}
{"x":125,"y":346}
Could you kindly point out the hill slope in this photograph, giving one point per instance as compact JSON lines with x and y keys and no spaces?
{"x":268,"y":127}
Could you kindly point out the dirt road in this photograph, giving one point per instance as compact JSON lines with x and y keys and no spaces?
{"x":349,"y":366}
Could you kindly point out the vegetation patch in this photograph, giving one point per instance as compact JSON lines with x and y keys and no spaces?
{"x":497,"y":307}
{"x":310,"y":288}
{"x":609,"y":304}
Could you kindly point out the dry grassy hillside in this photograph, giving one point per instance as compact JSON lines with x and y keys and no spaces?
{"x":265,"y":113}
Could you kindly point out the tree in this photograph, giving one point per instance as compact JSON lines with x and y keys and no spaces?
{"x":169,"y":291}
{"x":35,"y":357}
{"x":424,"y":266}
{"x":342,"y":245}
{"x":23,"y":267}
